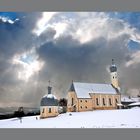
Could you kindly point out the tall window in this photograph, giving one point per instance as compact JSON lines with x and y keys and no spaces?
{"x":49,"y":110}
{"x":97,"y":101}
{"x":43,"y":110}
{"x":110,"y":101}
{"x":103,"y":101}
{"x":86,"y":101}
{"x":72,"y":101}
{"x":116,"y":100}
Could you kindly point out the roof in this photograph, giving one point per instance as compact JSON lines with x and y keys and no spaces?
{"x":113,"y":68}
{"x":83,"y":89}
{"x":49,"y":100}
{"x":135,"y":104}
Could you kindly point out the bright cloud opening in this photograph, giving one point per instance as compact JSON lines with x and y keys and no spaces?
{"x":29,"y":66}
{"x":42,"y":23}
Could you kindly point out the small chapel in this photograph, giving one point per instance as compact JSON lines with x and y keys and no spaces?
{"x":49,"y":105}
{"x":95,"y":96}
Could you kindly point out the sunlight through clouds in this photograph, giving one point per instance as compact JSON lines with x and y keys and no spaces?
{"x":42,"y":23}
{"x":28,"y":67}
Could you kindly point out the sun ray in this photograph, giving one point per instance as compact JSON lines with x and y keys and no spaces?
{"x":28,"y":66}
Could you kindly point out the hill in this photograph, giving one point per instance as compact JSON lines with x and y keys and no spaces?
{"x":124,"y":118}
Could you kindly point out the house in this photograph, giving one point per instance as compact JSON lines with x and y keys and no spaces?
{"x":48,"y":105}
{"x":128,"y":100}
{"x":93,"y":96}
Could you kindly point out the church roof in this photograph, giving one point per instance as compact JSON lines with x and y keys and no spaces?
{"x":49,"y":100}
{"x":83,"y":89}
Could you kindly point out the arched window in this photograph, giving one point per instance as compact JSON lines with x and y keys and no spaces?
{"x":103,"y":101}
{"x":110,"y":103}
{"x":72,"y":101}
{"x":43,"y":110}
{"x":116,"y":100}
{"x":97,"y":101}
{"x":49,"y":110}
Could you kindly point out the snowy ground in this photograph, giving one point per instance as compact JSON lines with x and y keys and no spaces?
{"x":125,"y":118}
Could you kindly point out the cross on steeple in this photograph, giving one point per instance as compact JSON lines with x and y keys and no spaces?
{"x":49,"y":82}
{"x":112,"y":61}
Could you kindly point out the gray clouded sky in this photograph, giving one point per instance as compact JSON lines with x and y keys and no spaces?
{"x":65,"y":46}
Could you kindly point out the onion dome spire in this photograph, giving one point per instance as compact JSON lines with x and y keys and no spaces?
{"x":113,"y":67}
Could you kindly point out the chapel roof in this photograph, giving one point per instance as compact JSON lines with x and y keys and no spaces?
{"x":49,"y":99}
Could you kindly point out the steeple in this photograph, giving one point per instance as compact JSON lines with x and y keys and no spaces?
{"x":49,"y":88}
{"x":72,"y":87}
{"x":114,"y":75}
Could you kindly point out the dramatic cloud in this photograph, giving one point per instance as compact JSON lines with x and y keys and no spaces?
{"x":62,"y":47}
{"x":83,"y":52}
{"x":15,"y":40}
{"x":42,"y":22}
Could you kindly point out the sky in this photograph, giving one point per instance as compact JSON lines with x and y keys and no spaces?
{"x":36,"y":47}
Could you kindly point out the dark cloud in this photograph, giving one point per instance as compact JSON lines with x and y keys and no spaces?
{"x":65,"y":59}
{"x":15,"y":39}
{"x":47,"y":35}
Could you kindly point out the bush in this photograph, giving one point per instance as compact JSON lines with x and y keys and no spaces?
{"x":20,"y":113}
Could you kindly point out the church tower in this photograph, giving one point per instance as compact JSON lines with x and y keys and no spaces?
{"x":114,"y":75}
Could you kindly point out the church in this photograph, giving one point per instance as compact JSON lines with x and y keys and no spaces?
{"x":95,"y":96}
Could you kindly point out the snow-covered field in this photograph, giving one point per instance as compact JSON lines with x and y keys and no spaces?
{"x":125,"y":118}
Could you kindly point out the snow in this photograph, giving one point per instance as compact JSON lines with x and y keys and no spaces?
{"x":123,"y":118}
{"x":119,"y":104}
{"x":49,"y":96}
{"x":125,"y":98}
{"x":83,"y":89}
{"x":113,"y":65}
{"x":133,"y":104}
